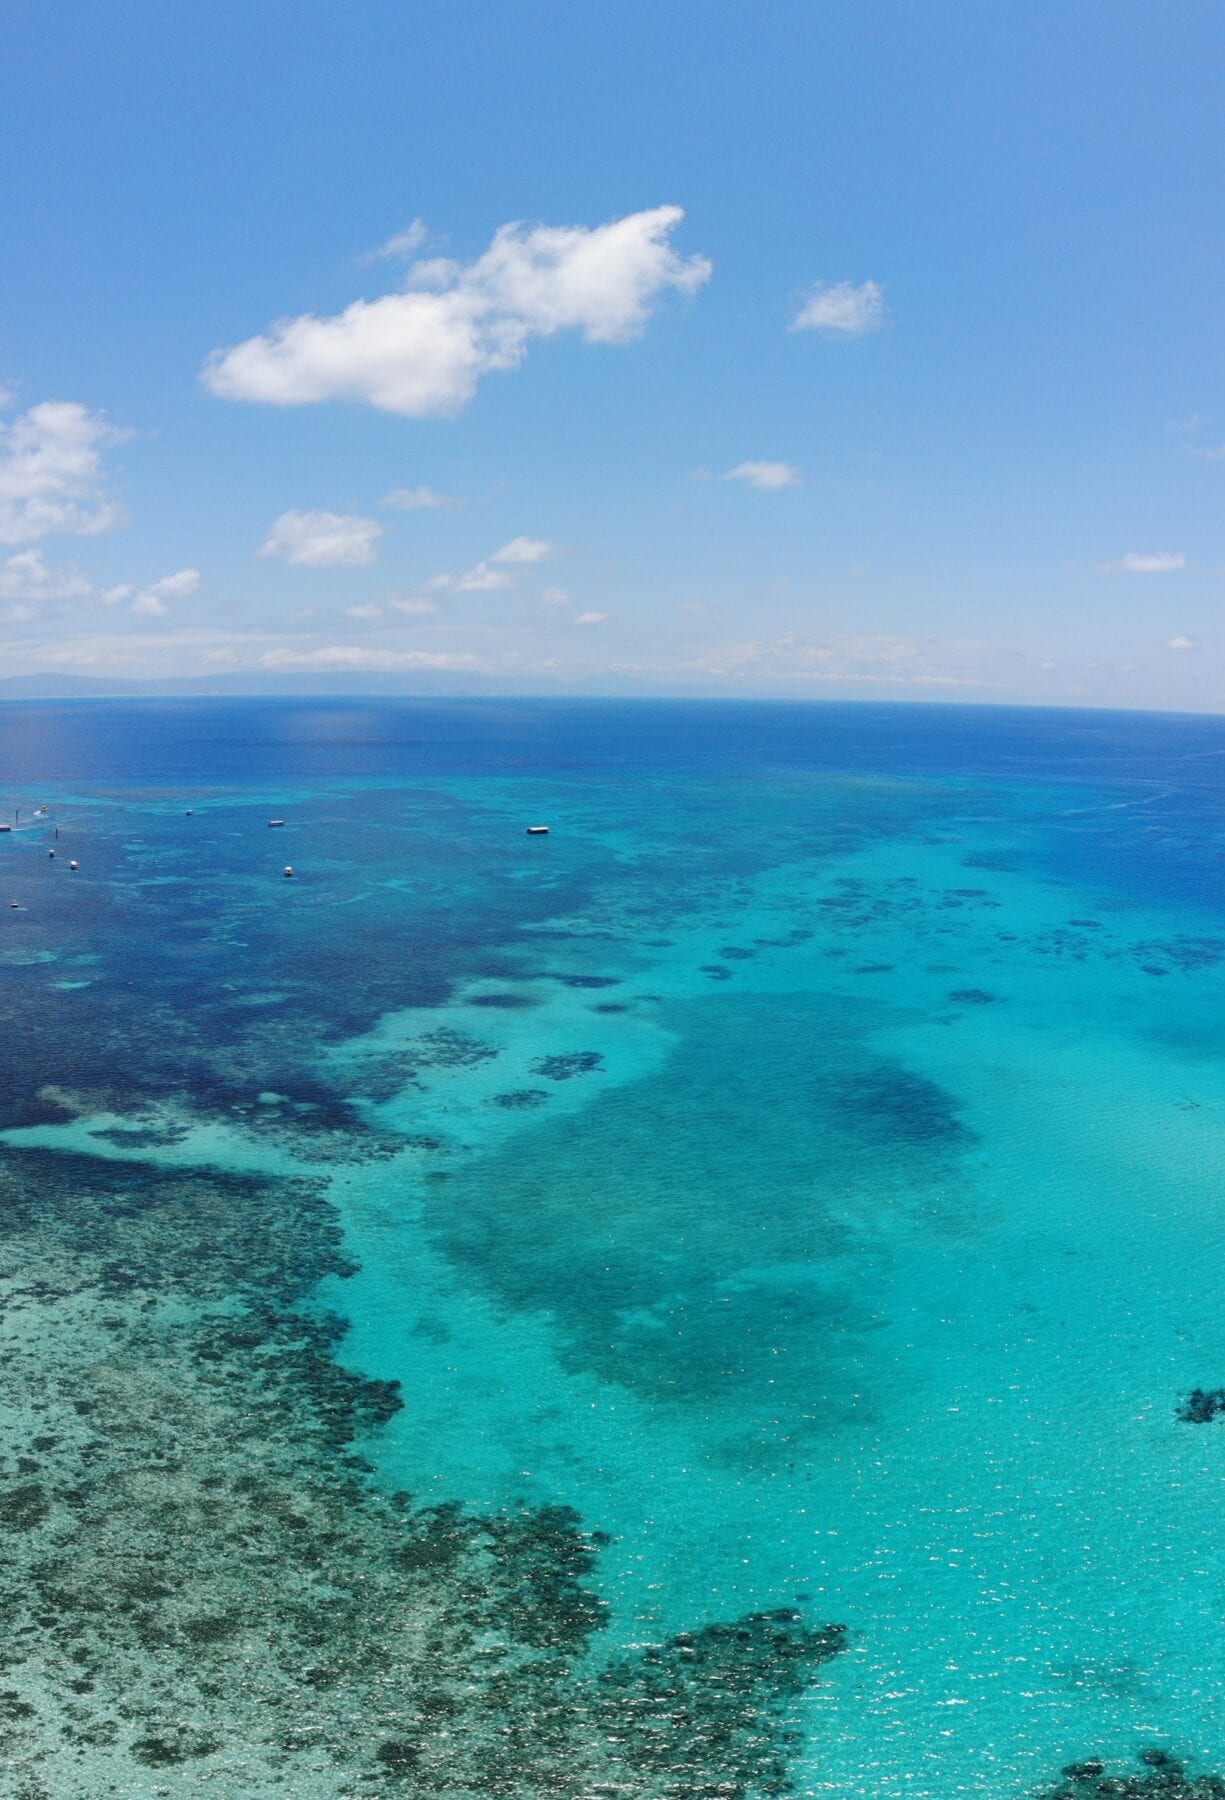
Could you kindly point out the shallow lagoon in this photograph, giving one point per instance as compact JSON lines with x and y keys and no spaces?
{"x":805,"y":1165}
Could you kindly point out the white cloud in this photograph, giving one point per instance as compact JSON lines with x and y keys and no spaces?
{"x":150,"y":602}
{"x":765,"y":474}
{"x":525,"y":550}
{"x":416,"y":499}
{"x":479,"y":580}
{"x":841,"y":306}
{"x":555,"y":596}
{"x":694,"y":606}
{"x":360,"y":656}
{"x":403,"y":243}
{"x":424,"y":351}
{"x":369,"y":611}
{"x":26,"y":579}
{"x":323,"y":540}
{"x":1181,"y":643}
{"x":413,"y":608}
{"x":1160,"y":562}
{"x":112,"y":596}
{"x":7,"y":397}
{"x":591,"y":618}
{"x":51,"y":475}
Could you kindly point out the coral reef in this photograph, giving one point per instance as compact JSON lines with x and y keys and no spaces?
{"x":202,"y":1582}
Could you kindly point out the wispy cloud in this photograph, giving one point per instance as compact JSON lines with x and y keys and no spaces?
{"x":324,"y":540}
{"x":1181,"y":643}
{"x":525,"y":550}
{"x":419,"y":499}
{"x":362,"y":656}
{"x":871,"y":661}
{"x":483,"y":578}
{"x":413,"y":606}
{"x":769,"y":475}
{"x":425,"y":351}
{"x":26,"y":580}
{"x":51,"y":474}
{"x":402,"y":244}
{"x":556,"y":596}
{"x":840,"y":306}
{"x":150,"y":602}
{"x":591,"y":618}
{"x":1157,"y":562}
{"x":161,"y":652}
{"x":369,"y":611}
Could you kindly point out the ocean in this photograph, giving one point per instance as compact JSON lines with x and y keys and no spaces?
{"x":721,"y":1299}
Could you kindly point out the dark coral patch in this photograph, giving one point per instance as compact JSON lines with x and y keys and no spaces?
{"x":22,"y":1506}
{"x":520,"y":1099}
{"x":141,"y":1137}
{"x":1201,"y":1406}
{"x":1165,"y":1778}
{"x":1160,"y":955}
{"x":565,"y":1066}
{"x":173,"y":1747}
{"x":738,"y":1679}
{"x":898,"y":1103}
{"x":972,"y":996}
{"x":996,"y":861}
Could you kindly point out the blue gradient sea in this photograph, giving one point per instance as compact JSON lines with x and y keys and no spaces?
{"x":807,"y":1161}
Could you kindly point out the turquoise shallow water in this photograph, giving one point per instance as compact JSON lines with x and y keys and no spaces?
{"x":806,"y":1164}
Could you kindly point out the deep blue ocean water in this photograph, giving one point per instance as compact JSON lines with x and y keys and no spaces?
{"x":806,"y":1162}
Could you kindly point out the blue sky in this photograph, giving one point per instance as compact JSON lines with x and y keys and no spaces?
{"x":988,"y":465}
